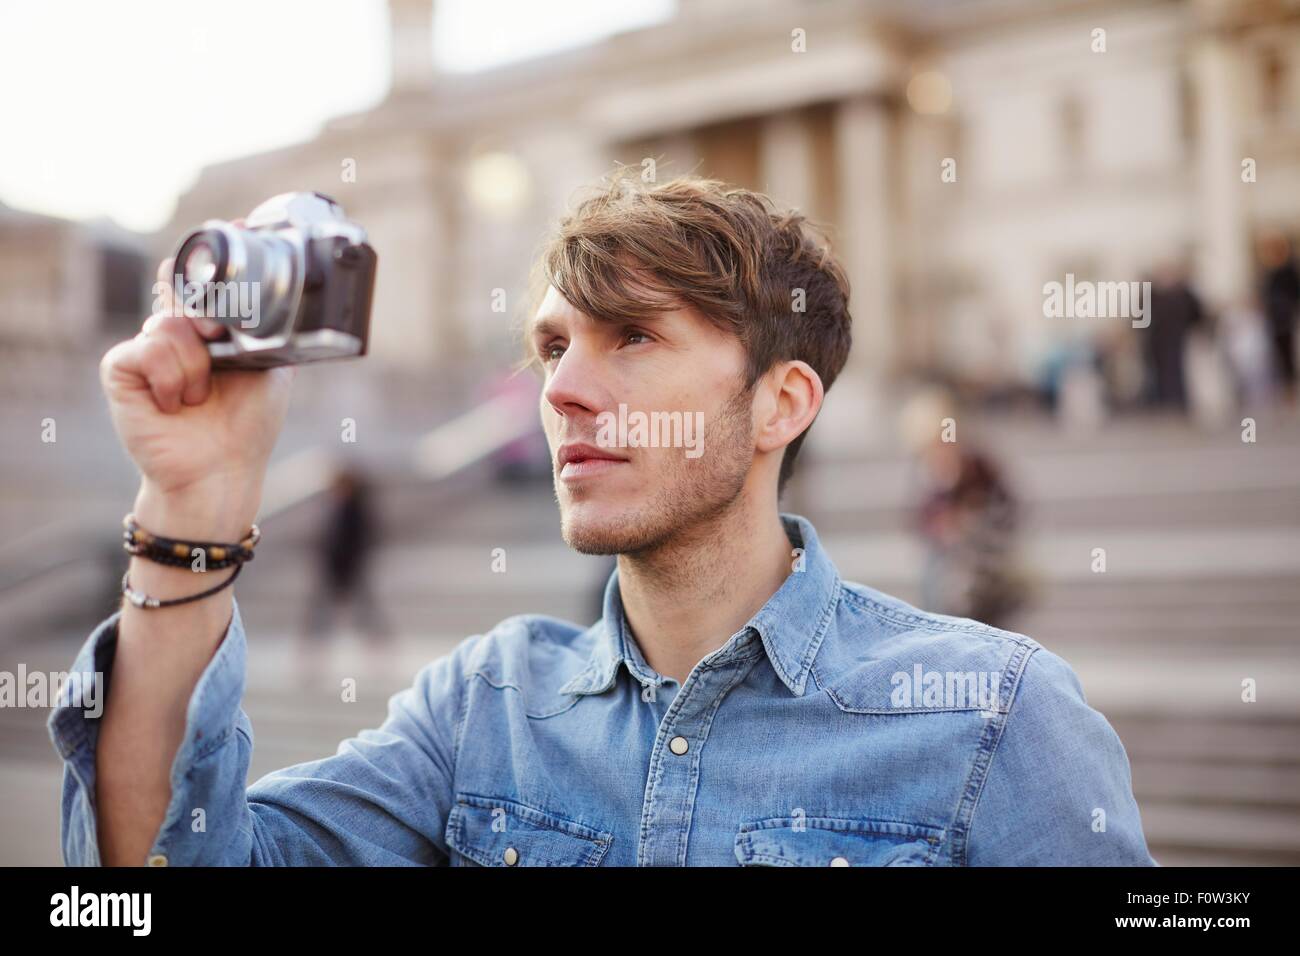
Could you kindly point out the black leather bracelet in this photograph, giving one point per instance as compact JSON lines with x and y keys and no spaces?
{"x":141,"y":600}
{"x":178,"y":554}
{"x":174,"y":560}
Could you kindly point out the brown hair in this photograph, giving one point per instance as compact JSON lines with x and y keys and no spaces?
{"x":633,"y":249}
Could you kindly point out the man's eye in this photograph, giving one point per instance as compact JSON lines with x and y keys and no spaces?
{"x":552,"y":353}
{"x":635,"y":335}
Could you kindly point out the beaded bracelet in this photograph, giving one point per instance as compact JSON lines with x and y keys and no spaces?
{"x":169,"y":551}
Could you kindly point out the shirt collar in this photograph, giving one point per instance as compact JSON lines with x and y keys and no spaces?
{"x":791,"y":625}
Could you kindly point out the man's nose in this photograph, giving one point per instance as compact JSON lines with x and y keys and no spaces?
{"x":576,"y":384}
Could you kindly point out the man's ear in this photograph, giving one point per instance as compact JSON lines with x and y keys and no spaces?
{"x":792,"y":396}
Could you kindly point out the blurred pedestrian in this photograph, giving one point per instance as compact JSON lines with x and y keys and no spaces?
{"x":1280,"y":294}
{"x":1119,"y":348}
{"x":347,"y":539}
{"x":1175,"y":311}
{"x":1249,"y":347}
{"x":967,"y":517}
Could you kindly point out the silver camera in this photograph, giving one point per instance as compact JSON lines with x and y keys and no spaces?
{"x":293,"y":284}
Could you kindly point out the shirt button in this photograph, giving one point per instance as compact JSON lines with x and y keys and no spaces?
{"x":157,"y":860}
{"x":839,"y":861}
{"x":511,"y":856}
{"x":678,"y":745}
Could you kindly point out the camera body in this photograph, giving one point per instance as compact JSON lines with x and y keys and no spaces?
{"x":293,"y":284}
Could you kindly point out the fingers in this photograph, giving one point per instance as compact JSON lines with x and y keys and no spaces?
{"x":189,"y":352}
{"x":162,"y":372}
{"x":169,"y":357}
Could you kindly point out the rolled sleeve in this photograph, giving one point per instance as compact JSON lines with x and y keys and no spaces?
{"x":202,"y":760}
{"x":382,"y":799}
{"x":1059,"y":790}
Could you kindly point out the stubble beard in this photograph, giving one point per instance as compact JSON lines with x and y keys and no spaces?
{"x":693,"y":492}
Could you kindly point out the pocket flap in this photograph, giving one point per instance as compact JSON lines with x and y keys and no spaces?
{"x":835,"y":841}
{"x":496,"y":832}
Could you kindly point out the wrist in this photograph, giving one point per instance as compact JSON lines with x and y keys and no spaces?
{"x":222,"y":511}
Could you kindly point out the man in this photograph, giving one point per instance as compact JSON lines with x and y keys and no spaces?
{"x":1281,"y":298}
{"x":347,"y":537}
{"x":1176,"y":312}
{"x":737,"y":703}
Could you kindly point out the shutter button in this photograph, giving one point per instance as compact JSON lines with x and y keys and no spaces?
{"x":511,"y":856}
{"x":678,"y":745}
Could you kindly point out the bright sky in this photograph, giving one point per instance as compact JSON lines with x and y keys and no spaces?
{"x":111,"y":107}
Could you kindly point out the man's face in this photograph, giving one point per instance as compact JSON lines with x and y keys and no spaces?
{"x":624,"y":492}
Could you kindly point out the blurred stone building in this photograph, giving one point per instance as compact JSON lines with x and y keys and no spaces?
{"x":1072,"y":151}
{"x":1072,"y":154}
{"x":1077,"y":136}
{"x":64,"y":287}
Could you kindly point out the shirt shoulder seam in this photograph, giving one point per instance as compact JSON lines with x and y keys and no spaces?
{"x":980,"y":772}
{"x":961,"y":626}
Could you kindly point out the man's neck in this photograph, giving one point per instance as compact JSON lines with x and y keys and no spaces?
{"x":688,"y":597}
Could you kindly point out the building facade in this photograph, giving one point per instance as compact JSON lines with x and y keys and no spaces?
{"x":963,"y":154}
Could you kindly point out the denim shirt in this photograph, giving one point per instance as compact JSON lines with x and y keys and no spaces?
{"x":839,"y":727}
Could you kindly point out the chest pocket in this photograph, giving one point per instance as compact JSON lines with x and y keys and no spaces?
{"x":834,"y":841}
{"x":494,"y":832}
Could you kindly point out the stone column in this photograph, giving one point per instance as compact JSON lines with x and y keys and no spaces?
{"x":787,"y":161}
{"x":865,"y":184}
{"x":410,"y":24}
{"x":1223,"y":267}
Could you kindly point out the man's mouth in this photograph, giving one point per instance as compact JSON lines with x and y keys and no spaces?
{"x":580,"y":460}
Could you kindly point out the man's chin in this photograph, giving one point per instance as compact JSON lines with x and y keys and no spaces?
{"x":590,"y":534}
{"x":590,"y":527}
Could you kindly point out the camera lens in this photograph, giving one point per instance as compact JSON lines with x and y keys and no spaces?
{"x":202,"y":258}
{"x":201,"y":264}
{"x":246,"y":279}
